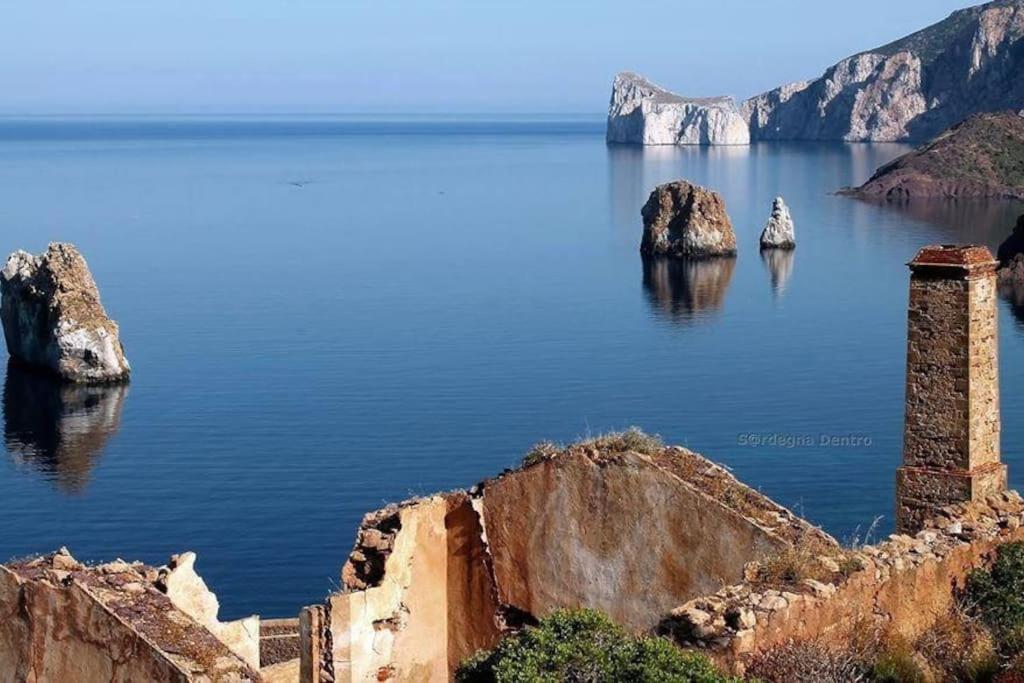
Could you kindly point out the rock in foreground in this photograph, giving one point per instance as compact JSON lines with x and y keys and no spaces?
{"x":1011,"y":256}
{"x":642,"y":113}
{"x":683,"y":219}
{"x":779,"y":232}
{"x":982,"y":157}
{"x":53,"y":318}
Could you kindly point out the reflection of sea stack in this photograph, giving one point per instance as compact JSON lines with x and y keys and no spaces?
{"x":59,"y":429}
{"x":682,"y":219}
{"x":683,"y":288}
{"x":53,"y":318}
{"x":780,"y":265}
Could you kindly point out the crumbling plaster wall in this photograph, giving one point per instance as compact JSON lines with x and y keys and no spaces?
{"x":433,"y":580}
{"x":62,"y":621}
{"x":619,"y":535}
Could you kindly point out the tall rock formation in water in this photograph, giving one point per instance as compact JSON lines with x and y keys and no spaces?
{"x":642,"y":113}
{"x":53,"y":319}
{"x":910,"y":89}
{"x":683,"y":219}
{"x":779,"y":232}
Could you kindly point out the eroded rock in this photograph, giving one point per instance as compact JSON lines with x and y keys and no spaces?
{"x":642,"y":113}
{"x":779,"y":233}
{"x":683,"y":219}
{"x":53,"y":318}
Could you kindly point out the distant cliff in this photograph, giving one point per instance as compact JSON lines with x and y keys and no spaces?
{"x":642,"y":113}
{"x":910,"y":89}
{"x":981,"y":157}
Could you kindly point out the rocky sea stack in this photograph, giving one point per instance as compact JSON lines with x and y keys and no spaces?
{"x":53,"y":319}
{"x":779,"y":233}
{"x":982,"y":157}
{"x":683,"y":219}
{"x":642,"y":113}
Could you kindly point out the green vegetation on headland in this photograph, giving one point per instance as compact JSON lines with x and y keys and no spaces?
{"x":982,"y":157}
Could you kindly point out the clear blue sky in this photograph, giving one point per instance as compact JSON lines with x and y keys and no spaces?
{"x":269,"y":56}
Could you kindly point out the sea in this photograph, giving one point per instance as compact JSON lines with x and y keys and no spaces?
{"x":327,"y":314}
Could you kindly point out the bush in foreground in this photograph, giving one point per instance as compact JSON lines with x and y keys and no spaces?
{"x":996,"y":595}
{"x":585,"y":646}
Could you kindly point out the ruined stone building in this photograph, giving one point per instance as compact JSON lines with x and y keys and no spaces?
{"x":660,"y":538}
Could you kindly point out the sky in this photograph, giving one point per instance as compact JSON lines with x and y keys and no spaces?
{"x":415,"y":56}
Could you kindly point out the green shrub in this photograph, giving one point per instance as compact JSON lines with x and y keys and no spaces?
{"x":996,"y":595}
{"x":585,"y":646}
{"x":897,"y":666}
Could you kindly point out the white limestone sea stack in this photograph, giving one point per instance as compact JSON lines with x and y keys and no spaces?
{"x":641,"y":113}
{"x":53,"y":319}
{"x":779,"y":232}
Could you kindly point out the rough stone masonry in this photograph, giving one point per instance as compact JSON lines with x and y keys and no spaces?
{"x":951,"y":426}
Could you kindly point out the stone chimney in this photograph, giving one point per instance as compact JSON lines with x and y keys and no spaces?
{"x":951,"y":426}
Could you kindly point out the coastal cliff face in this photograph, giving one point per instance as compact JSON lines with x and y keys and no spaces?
{"x":642,"y":113}
{"x":910,"y":89}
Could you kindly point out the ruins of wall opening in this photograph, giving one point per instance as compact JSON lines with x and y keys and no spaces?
{"x":433,"y":580}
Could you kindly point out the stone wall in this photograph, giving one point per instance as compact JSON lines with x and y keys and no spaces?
{"x":433,"y":580}
{"x":63,"y":621}
{"x":900,"y":586}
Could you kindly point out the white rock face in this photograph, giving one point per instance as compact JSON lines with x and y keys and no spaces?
{"x":53,"y":319}
{"x":911,"y":89}
{"x":779,"y":232}
{"x":642,"y":113}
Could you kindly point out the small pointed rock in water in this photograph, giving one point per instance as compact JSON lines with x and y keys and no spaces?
{"x":53,"y":319}
{"x":779,"y":233}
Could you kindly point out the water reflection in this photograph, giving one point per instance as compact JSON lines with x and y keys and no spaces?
{"x":780,"y":266}
{"x":685,"y":290}
{"x":1013,"y":294}
{"x":56,"y":428}
{"x":966,"y":221}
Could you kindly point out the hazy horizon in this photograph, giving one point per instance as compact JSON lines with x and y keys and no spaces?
{"x":271,"y":57}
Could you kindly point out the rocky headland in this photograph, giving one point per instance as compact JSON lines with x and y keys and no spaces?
{"x":910,"y":89}
{"x":642,"y":113}
{"x":53,"y":319}
{"x":683,"y":219}
{"x":982,"y":157}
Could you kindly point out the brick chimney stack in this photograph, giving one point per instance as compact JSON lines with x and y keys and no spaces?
{"x":951,"y":426}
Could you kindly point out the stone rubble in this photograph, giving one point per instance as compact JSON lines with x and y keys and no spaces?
{"x":729,"y":622}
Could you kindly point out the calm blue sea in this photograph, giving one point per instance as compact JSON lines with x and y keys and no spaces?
{"x":324,"y":315}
